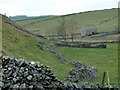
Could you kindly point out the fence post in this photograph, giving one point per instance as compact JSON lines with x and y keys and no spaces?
{"x":106,"y":76}
{"x":103,"y":80}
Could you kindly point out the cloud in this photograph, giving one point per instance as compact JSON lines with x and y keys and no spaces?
{"x":53,"y":7}
{"x":12,"y":8}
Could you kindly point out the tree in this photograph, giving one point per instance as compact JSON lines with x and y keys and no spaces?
{"x":62,"y":29}
{"x":65,"y":27}
{"x":71,"y":26}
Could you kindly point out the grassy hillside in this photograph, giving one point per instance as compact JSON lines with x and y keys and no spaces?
{"x":104,"y":20}
{"x":24,"y":17}
{"x":21,"y":45}
{"x":103,"y":59}
{"x":0,"y":32}
{"x":29,"y":21}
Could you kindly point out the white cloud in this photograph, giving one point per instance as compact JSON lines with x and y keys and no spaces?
{"x":56,"y":7}
{"x":11,"y":8}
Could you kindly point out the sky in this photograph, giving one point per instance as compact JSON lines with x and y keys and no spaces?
{"x":53,"y":7}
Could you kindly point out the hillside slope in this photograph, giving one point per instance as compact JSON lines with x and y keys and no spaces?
{"x":0,"y":32}
{"x":19,"y":44}
{"x":22,"y":45}
{"x":104,"y":20}
{"x":24,"y":17}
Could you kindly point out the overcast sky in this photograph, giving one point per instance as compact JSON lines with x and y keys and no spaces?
{"x":53,"y":7}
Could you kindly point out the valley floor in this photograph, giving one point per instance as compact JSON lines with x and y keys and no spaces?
{"x":103,"y":59}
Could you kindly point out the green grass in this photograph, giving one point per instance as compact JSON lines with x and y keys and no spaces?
{"x":93,"y":17}
{"x":0,"y":32}
{"x":103,"y":59}
{"x":21,"y":45}
{"x":25,"y":22}
{"x":114,"y":35}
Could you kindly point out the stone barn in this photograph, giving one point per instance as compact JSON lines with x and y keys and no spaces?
{"x":88,"y":30}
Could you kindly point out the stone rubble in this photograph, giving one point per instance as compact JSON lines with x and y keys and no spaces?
{"x":1,"y":83}
{"x":61,"y":57}
{"x":58,"y":55}
{"x":40,"y":44}
{"x":84,"y":73}
{"x":78,"y":64}
{"x":20,"y":74}
{"x":52,"y":50}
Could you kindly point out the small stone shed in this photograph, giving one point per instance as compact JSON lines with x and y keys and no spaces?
{"x":88,"y":30}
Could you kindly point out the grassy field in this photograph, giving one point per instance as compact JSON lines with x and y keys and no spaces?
{"x":21,"y":45}
{"x":0,"y":32}
{"x":104,"y":20}
{"x":114,"y":35}
{"x":29,"y":21}
{"x":103,"y":59}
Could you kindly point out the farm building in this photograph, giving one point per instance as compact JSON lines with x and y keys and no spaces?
{"x":88,"y":30}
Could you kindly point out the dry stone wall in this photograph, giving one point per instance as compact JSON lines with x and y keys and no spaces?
{"x":83,"y":73}
{"x":22,"y":74}
{"x":19,"y":74}
{"x":52,"y":49}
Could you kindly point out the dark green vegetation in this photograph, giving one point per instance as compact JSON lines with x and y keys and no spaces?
{"x":104,"y":20}
{"x":103,"y":59}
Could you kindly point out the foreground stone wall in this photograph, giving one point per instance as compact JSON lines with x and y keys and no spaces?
{"x":1,"y":83}
{"x":20,"y":74}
